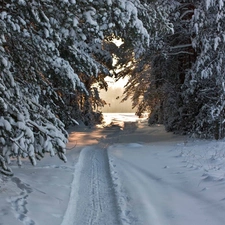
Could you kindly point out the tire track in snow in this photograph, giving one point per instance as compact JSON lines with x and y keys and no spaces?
{"x":135,"y":208}
{"x":92,"y":199}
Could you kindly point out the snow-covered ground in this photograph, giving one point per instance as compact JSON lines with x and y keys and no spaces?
{"x":122,"y":173}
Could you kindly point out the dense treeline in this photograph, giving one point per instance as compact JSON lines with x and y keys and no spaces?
{"x":55,"y":55}
{"x":180,"y":79}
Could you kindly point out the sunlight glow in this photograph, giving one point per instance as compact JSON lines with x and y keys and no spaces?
{"x":115,"y":84}
{"x":118,"y":42}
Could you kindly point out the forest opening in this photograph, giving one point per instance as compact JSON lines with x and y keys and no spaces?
{"x":113,"y":97}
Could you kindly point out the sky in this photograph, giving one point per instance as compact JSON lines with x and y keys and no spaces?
{"x":120,"y":83}
{"x":113,"y":97}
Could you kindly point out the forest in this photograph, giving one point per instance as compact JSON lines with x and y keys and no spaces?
{"x":55,"y":56}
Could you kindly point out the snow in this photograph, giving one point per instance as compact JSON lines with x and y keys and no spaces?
{"x":4,"y":62}
{"x":208,"y":3}
{"x":109,"y":2}
{"x":216,"y":42}
{"x":89,"y":17}
{"x":69,"y":214}
{"x":163,"y":189}
{"x":196,"y":28}
{"x":122,"y":173}
{"x":63,"y":66}
{"x":221,"y":4}
{"x":4,"y":123}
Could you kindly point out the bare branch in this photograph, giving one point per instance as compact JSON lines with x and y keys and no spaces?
{"x":181,"y":52}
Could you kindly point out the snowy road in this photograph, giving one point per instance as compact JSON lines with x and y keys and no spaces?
{"x":137,"y":176}
{"x":93,"y":201}
{"x":153,"y":191}
{"x":124,"y":174}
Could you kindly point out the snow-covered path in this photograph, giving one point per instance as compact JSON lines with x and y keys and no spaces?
{"x":154,"y":188}
{"x":124,"y":174}
{"x":139,"y":175}
{"x":93,"y":201}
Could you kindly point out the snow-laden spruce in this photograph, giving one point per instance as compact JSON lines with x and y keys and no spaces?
{"x":51,"y":54}
{"x":28,"y":130}
{"x":180,"y":80}
{"x":204,"y":84}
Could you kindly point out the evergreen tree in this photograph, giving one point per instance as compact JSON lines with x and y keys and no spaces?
{"x":137,"y":65}
{"x":176,"y":59}
{"x":51,"y":54}
{"x":181,"y":79}
{"x":204,"y":83}
{"x":157,"y":76}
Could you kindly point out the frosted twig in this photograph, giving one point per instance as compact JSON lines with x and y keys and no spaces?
{"x":17,"y":138}
{"x":72,"y":147}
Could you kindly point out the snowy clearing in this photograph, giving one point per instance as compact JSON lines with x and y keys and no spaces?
{"x":124,"y":173}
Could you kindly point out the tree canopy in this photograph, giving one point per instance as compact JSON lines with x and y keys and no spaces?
{"x":51,"y":54}
{"x":180,"y":79}
{"x":55,"y":55}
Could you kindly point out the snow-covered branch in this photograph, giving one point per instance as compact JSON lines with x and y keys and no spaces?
{"x":180,"y":46}
{"x":186,"y":13}
{"x":180,"y":52}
